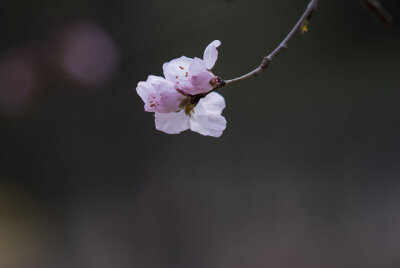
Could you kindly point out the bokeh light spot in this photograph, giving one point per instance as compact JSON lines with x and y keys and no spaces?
{"x":89,"y":55}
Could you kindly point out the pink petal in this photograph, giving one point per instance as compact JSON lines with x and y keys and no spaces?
{"x":211,"y":54}
{"x":169,"y":98}
{"x":159,"y":95}
{"x":199,"y":78}
{"x":200,"y":83}
{"x":147,"y":92}
{"x":172,"y":123}
{"x":206,"y":118}
{"x":170,"y":101}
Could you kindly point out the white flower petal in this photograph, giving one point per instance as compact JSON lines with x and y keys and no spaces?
{"x":149,"y":95}
{"x":144,"y":89}
{"x":153,"y":79}
{"x":212,"y":103}
{"x":197,"y":66}
{"x":176,"y":69}
{"x":172,"y":123}
{"x":208,"y":124}
{"x":211,"y":54}
{"x":206,"y":118}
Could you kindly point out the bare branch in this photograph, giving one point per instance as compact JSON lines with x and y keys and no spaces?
{"x":378,"y":11}
{"x":311,"y":8}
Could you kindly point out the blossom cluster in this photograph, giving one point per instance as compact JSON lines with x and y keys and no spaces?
{"x":183,"y":99}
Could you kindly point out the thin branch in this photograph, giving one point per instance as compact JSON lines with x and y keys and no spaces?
{"x":378,"y":11}
{"x":312,"y":6}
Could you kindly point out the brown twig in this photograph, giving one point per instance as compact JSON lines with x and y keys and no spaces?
{"x":312,"y":6}
{"x":378,"y":11}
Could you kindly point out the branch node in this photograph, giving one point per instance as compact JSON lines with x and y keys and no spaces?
{"x":265,"y":62}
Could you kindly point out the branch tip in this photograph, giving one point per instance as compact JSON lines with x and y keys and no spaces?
{"x":306,"y":16}
{"x":379,"y":11}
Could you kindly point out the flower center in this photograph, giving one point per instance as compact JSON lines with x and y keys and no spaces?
{"x":190,"y":102}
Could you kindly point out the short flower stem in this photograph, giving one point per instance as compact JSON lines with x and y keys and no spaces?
{"x":311,"y":8}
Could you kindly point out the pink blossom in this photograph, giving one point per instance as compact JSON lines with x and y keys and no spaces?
{"x":182,"y":100}
{"x":159,"y":95}
{"x":205,"y":118}
{"x":193,"y":76}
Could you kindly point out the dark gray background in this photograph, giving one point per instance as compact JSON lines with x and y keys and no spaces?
{"x":305,"y":175}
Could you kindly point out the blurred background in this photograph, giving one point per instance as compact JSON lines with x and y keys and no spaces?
{"x":305,"y":175}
